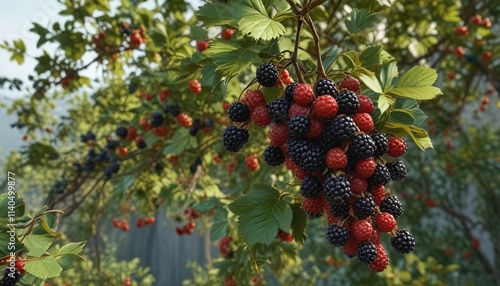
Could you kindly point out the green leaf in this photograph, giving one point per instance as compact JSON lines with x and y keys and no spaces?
{"x":383,"y":103}
{"x":387,"y":74}
{"x":122,"y":183}
{"x":66,"y":261}
{"x":419,"y":93}
{"x":360,"y":20}
{"x":208,"y":205}
{"x":72,"y":248}
{"x":199,"y":33}
{"x":10,"y":203}
{"x":5,"y":247}
{"x":216,"y":14}
{"x":261,"y":213}
{"x":368,"y":78}
{"x":159,"y":39}
{"x":418,"y":135}
{"x":371,"y":56}
{"x":43,"y":268}
{"x":231,"y":58}
{"x":299,"y":222}
{"x":181,"y":140}
{"x":261,"y":27}
{"x":417,"y":77}
{"x":330,"y":56}
{"x":401,"y":116}
{"x":37,"y":244}
{"x":220,"y":225}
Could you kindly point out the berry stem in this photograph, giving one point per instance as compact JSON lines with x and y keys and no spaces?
{"x":296,"y":49}
{"x":321,"y":69}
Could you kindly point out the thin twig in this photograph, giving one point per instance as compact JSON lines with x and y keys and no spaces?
{"x":321,"y":69}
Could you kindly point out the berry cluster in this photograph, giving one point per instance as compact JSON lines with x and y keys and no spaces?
{"x":325,"y":135}
{"x":224,"y":247}
{"x":145,"y":221}
{"x":190,"y":225}
{"x":121,"y":224}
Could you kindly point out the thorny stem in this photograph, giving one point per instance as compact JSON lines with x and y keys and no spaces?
{"x":321,"y":69}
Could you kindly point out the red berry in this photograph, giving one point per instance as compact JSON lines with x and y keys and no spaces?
{"x":230,"y":281}
{"x":365,"y":167}
{"x":314,"y":205}
{"x":430,"y":203}
{"x":336,"y":159}
{"x":365,"y":104}
{"x":253,"y":98}
{"x":350,"y":83}
{"x":150,"y":220}
{"x":325,"y":106}
{"x":350,"y":247}
{"x":161,"y":131}
{"x":485,"y":100}
{"x":131,"y":133}
{"x":299,"y":173}
{"x":385,"y":222}
{"x":315,"y":128}
{"x":381,"y":261}
{"x":462,"y":30}
{"x":362,"y":230}
{"x":20,"y":265}
{"x":260,"y":115}
{"x":135,"y":39}
{"x":460,"y":52}
{"x":364,"y":121}
{"x":179,"y":230}
{"x":358,"y":185}
{"x":184,"y":120}
{"x":397,"y":146}
{"x":475,"y":244}
{"x":116,"y":223}
{"x":252,"y":162}
{"x":194,"y":86}
{"x":375,"y":237}
{"x":378,"y":193}
{"x":163,"y":95}
{"x":487,"y":23}
{"x":285,"y":77}
{"x":65,"y":82}
{"x":278,"y":134}
{"x":477,"y":20}
{"x":486,"y":56}
{"x":202,"y":45}
{"x":285,"y":236}
{"x":227,"y":34}
{"x":139,"y":223}
{"x":303,"y":94}
{"x":297,"y":109}
{"x":122,"y":151}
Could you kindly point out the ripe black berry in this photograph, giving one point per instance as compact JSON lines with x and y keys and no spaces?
{"x":362,"y":147}
{"x":366,"y":252}
{"x":172,"y":109}
{"x":274,"y":156}
{"x":238,"y":112}
{"x":267,"y":75}
{"x":381,"y":176}
{"x":195,"y":165}
{"x":348,"y":102}
{"x":381,"y":143}
{"x":278,"y":110}
{"x":308,"y":156}
{"x":289,"y":91}
{"x":325,"y":86}
{"x":403,"y":242}
{"x":107,"y":173}
{"x":340,"y":210}
{"x":337,"y":235}
{"x":298,"y":126}
{"x":234,"y":138}
{"x":115,"y":167}
{"x":112,"y":144}
{"x":195,"y":127}
{"x":340,"y":130}
{"x":337,"y":190}
{"x":392,"y":205}
{"x":156,"y":119}
{"x":87,"y":137}
{"x":397,"y":169}
{"x":10,"y":278}
{"x":311,"y":187}
{"x":121,"y":132}
{"x":364,"y":207}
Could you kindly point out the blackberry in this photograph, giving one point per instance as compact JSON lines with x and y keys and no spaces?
{"x":397,"y":169}
{"x":392,"y":205}
{"x":195,"y":165}
{"x":340,"y":210}
{"x":10,"y":278}
{"x":234,"y":138}
{"x":381,"y":143}
{"x":115,"y":167}
{"x":337,"y":235}
{"x":267,"y":75}
{"x":238,"y":112}
{"x":348,"y":102}
{"x":315,"y":215}
{"x":298,"y":126}
{"x":156,"y":120}
{"x":77,"y":166}
{"x":278,"y":110}
{"x":121,"y":132}
{"x":193,"y":130}
{"x":112,"y":144}
{"x":308,"y":156}
{"x":159,"y":167}
{"x":364,"y":207}
{"x":89,"y":165}
{"x":104,"y":156}
{"x":362,"y":147}
{"x":366,"y":252}
{"x":403,"y":242}
{"x":107,"y":173}
{"x":87,"y":137}
{"x":172,"y":109}
{"x":337,"y":190}
{"x":325,"y":86}
{"x":311,"y":187}
{"x":141,"y":144}
{"x":132,"y":87}
{"x":59,"y":187}
{"x":274,"y":156}
{"x":381,"y":176}
{"x":289,"y":91}
{"x":209,"y":122}
{"x":340,"y":130}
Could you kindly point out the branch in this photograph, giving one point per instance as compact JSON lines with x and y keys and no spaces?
{"x":321,"y":69}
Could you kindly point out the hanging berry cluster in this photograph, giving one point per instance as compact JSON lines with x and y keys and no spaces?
{"x":325,"y":135}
